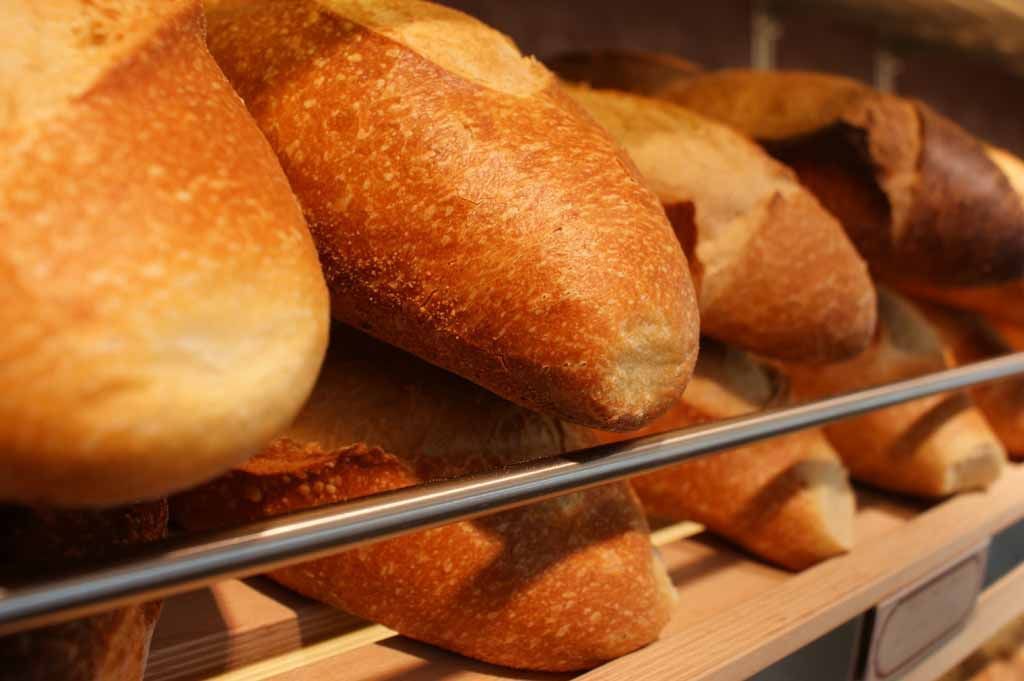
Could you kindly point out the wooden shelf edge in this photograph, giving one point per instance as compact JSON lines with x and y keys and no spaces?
{"x":741,"y":641}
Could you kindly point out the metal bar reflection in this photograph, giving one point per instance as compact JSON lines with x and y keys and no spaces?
{"x":175,"y":566}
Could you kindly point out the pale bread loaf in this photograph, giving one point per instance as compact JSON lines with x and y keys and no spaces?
{"x":970,"y":339}
{"x":774,"y":271}
{"x":930,"y":447}
{"x":164,"y":308}
{"x":786,"y":499}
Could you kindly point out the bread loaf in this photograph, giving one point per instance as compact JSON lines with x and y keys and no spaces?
{"x":930,"y":447}
{"x":920,"y":197}
{"x":111,"y":646}
{"x":970,"y":339}
{"x":164,"y":308}
{"x":773,"y":270}
{"x":561,"y":584}
{"x":786,"y":499}
{"x":465,"y":209}
{"x":1000,"y":301}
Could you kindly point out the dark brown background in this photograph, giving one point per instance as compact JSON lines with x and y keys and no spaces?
{"x":976,"y":92}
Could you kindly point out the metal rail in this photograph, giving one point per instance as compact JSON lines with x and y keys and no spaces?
{"x":185,"y":563}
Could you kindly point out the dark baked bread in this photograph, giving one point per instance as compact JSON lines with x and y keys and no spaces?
{"x":562,"y":584}
{"x":108,"y":647}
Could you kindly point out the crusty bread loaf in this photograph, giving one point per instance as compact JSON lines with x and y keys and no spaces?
{"x":930,"y":447}
{"x":918,"y":195}
{"x":465,"y":209}
{"x":562,"y":584}
{"x":774,"y":271}
{"x":1001,"y":301}
{"x":786,"y":499}
{"x":108,"y":647}
{"x":164,"y":309}
{"x":969,"y":339}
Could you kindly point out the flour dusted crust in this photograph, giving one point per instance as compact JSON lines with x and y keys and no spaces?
{"x":464,"y":208}
{"x":775,"y":272}
{"x":561,"y":584}
{"x":164,"y":306}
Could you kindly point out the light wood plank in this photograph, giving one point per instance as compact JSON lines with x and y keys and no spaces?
{"x":738,"y":642}
{"x":736,"y":615}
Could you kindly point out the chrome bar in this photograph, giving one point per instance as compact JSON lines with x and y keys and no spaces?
{"x":189,"y":562}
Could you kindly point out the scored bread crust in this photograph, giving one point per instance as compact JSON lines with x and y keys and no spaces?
{"x":562,"y":584}
{"x":930,"y":447}
{"x":774,"y":271}
{"x":111,"y":646}
{"x":164,"y":306}
{"x":949,"y":214}
{"x":465,"y":209}
{"x":968,"y":338}
{"x":786,"y":499}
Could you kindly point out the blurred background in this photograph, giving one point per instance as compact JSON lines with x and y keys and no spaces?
{"x":964,"y":57}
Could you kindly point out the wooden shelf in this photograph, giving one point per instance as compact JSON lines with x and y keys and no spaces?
{"x":736,"y":616}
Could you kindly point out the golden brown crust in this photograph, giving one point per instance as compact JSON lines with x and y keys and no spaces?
{"x":468,"y":217}
{"x":775,"y":272}
{"x":969,"y":338}
{"x":786,"y":499}
{"x":165,"y":308}
{"x":930,"y":447}
{"x":563,"y":584}
{"x":108,"y":647}
{"x":951,"y":215}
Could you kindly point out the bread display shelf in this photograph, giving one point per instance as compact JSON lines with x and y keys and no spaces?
{"x":735,"y":617}
{"x":179,"y":565}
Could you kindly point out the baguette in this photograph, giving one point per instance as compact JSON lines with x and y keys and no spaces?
{"x":786,"y":499}
{"x":164,"y":308}
{"x":111,"y":646}
{"x":919,"y":196}
{"x":558,"y":585}
{"x":1001,"y":301}
{"x":931,"y":447}
{"x":774,"y":271}
{"x":465,"y":209}
{"x":970,"y":339}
